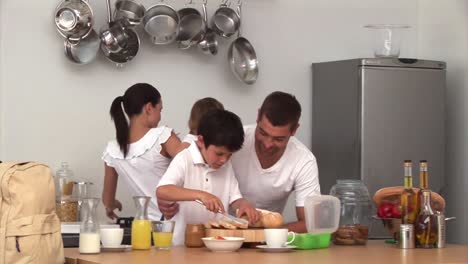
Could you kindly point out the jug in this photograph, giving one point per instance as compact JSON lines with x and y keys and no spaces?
{"x":141,"y":225}
{"x":322,"y":214}
{"x":355,"y":211}
{"x":81,"y":190}
{"x":89,"y":228}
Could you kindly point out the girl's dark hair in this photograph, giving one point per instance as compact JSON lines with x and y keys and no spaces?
{"x":223,"y":129}
{"x":132,"y":103}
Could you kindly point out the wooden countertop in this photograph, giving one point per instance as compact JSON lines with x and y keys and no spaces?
{"x":373,"y":252}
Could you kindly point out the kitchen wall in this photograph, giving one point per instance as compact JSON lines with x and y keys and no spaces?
{"x":443,"y":35}
{"x":53,"y":111}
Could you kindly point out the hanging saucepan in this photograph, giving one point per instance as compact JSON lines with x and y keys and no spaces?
{"x":129,"y":10}
{"x":74,"y":19}
{"x":191,"y":27}
{"x":225,"y":21}
{"x":209,"y":44}
{"x":119,"y":43}
{"x":82,"y":51}
{"x":242,"y":57}
{"x":161,"y":22}
{"x":113,"y":36}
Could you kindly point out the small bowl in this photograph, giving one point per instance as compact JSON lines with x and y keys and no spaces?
{"x":229,"y":244}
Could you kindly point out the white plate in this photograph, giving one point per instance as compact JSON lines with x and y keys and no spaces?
{"x":120,"y":248}
{"x":272,"y":249}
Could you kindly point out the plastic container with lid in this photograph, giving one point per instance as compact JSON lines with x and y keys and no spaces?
{"x":355,"y":212}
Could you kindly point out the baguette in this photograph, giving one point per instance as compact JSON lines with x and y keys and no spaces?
{"x":268,"y":219}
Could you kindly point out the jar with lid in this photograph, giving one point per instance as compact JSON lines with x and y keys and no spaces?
{"x":64,"y":182}
{"x":194,"y":234}
{"x":355,"y":213}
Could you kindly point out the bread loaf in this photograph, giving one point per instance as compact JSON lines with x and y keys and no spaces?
{"x":268,"y":219}
{"x":392,"y":194}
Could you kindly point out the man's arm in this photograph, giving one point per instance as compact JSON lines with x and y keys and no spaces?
{"x":299,"y":226}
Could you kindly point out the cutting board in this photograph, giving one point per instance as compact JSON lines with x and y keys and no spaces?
{"x":250,"y":234}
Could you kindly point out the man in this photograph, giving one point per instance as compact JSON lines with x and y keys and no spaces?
{"x":273,"y":163}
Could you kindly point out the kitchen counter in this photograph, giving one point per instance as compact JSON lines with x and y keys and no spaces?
{"x":373,"y":252}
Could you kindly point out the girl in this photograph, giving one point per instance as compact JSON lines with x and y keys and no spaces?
{"x":200,"y":108}
{"x":142,"y":151}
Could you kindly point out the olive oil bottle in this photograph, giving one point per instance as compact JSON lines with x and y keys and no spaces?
{"x":423,"y":182}
{"x":409,"y":198}
{"x":426,"y":223}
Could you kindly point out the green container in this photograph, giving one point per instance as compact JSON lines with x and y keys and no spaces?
{"x":310,"y":241}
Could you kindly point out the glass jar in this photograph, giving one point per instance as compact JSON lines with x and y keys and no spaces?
{"x":355,"y":213}
{"x":194,"y":234}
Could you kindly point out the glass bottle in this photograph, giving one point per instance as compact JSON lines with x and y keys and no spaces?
{"x":423,"y":181}
{"x":89,"y":228}
{"x":141,"y":225}
{"x":355,"y":212}
{"x":426,"y":223}
{"x":409,"y":206}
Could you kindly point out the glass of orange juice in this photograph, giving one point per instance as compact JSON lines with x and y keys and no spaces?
{"x":162,"y":234}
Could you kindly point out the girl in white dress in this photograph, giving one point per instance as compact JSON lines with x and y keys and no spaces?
{"x":142,"y":151}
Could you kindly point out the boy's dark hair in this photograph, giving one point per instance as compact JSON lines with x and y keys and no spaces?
{"x":132,"y":102}
{"x":281,"y":109}
{"x":222,"y":128}
{"x":200,"y":108}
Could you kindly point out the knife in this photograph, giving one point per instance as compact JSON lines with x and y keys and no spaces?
{"x":231,"y":218}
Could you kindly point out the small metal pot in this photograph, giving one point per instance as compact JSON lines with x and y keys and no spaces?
{"x":191,"y":27}
{"x":209,"y":44}
{"x":161,"y":22}
{"x":84,"y":50}
{"x":74,"y":19}
{"x":225,"y":21}
{"x":127,"y":54}
{"x":113,"y":37}
{"x":129,"y":10}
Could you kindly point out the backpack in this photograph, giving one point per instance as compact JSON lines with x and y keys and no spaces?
{"x":29,"y":227}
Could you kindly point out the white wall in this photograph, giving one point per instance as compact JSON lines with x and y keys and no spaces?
{"x":443,"y":35}
{"x":52,"y":110}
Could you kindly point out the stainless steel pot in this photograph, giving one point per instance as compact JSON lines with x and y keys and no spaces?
{"x":113,"y":36}
{"x":74,"y":19}
{"x":84,"y":50}
{"x":129,"y":10}
{"x":161,"y":22}
{"x":128,"y":53}
{"x":225,"y":21}
{"x":191,"y":27}
{"x":209,"y":44}
{"x":243,"y":58}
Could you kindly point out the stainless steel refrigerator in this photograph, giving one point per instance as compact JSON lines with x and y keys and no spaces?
{"x":368,"y":115}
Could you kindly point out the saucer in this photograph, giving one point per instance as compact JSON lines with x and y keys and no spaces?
{"x":120,"y":248}
{"x":276,"y":249}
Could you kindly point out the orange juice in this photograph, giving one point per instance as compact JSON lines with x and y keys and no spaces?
{"x":141,"y":234}
{"x":162,"y":239}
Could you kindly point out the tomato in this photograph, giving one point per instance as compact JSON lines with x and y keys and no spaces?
{"x":386,"y":210}
{"x":219,"y":238}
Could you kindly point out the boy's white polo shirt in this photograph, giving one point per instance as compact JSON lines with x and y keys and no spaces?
{"x":189,"y":170}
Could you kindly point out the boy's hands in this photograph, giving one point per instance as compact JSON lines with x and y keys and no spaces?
{"x":245,"y":207}
{"x":211,"y":202}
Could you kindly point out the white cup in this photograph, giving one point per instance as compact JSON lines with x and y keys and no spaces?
{"x":111,"y":237}
{"x":278,"y":237}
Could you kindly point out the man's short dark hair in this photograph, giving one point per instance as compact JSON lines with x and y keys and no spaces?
{"x":222,"y":128}
{"x":281,"y":109}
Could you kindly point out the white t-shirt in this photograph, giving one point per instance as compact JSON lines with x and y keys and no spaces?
{"x":143,"y":166}
{"x":189,"y":170}
{"x":190,"y":138}
{"x":269,"y":188}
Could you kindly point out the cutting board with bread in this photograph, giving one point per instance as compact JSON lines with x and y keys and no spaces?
{"x":251,"y":233}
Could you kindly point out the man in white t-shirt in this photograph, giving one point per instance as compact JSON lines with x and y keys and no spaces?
{"x":272,"y":162}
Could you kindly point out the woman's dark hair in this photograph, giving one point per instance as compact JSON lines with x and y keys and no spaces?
{"x":281,"y":109}
{"x":132,"y":103}
{"x":222,"y":128}
{"x":200,"y":108}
